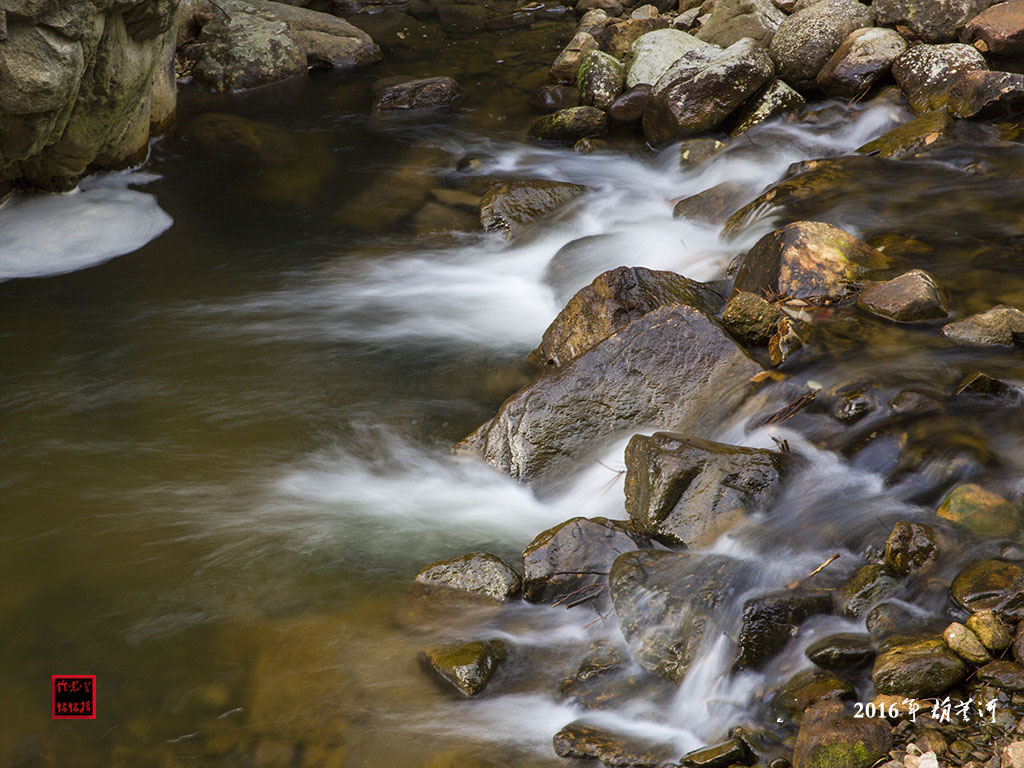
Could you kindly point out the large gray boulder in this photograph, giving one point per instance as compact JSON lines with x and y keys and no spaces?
{"x":667,"y":603}
{"x":672,"y":368}
{"x":256,"y":42}
{"x":805,"y":41}
{"x":688,"y":491}
{"x":700,"y":90}
{"x":732,"y":20}
{"x":652,"y":54}
{"x":934,"y":21}
{"x":77,"y":86}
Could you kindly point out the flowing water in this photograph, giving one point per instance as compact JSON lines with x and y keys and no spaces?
{"x":226,"y":452}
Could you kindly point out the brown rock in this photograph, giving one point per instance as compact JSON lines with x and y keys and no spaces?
{"x":990,"y":585}
{"x":910,"y":547}
{"x":933,"y":21}
{"x":982,"y":511}
{"x":714,"y":205}
{"x":925,"y":72}
{"x":774,"y":100}
{"x":629,"y":107}
{"x":509,"y":207}
{"x":1000,"y":325}
{"x":986,"y":95}
{"x":920,"y":134}
{"x":830,"y":738}
{"x":909,"y":297}
{"x":990,"y":630}
{"x":1002,"y":674}
{"x":864,"y":56}
{"x":418,"y":97}
{"x":966,"y":644}
{"x":998,"y":30}
{"x":567,"y":63}
{"x":751,"y":319}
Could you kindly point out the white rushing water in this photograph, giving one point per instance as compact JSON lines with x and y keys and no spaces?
{"x":104,"y":217}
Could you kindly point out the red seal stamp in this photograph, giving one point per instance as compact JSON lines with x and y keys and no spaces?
{"x":73,"y":697}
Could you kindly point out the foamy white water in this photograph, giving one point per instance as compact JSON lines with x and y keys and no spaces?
{"x":53,"y":234}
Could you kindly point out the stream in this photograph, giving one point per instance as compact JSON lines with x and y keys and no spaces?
{"x":229,"y":396}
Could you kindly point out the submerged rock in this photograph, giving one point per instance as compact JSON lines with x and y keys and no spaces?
{"x":807,"y":688}
{"x":934,"y":21}
{"x":478,"y":573}
{"x":667,"y":368}
{"x":732,"y":20}
{"x":925,"y":72}
{"x":667,"y":603}
{"x":918,"y":668}
{"x":688,"y":491}
{"x":774,"y":100}
{"x":912,"y":137}
{"x":830,"y":738}
{"x":693,"y":152}
{"x":769,"y":621}
{"x":910,"y":547}
{"x":567,"y":562}
{"x":1000,"y":325}
{"x":805,"y":41}
{"x":807,"y":260}
{"x":712,"y":206}
{"x":551,"y":98}
{"x":467,"y":667}
{"x":841,"y":651}
{"x":610,"y":303}
{"x":731,"y":752}
{"x":256,"y":42}
{"x":580,"y":739}
{"x":652,"y":54}
{"x":600,"y":79}
{"x":864,"y":57}
{"x":508,"y":207}
{"x":869,"y":585}
{"x":570,"y":125}
{"x":751,"y":319}
{"x":910,"y":297}
{"x":1005,"y":675}
{"x":416,"y":98}
{"x":701,"y":89}
{"x":998,"y":29}
{"x":981,"y":511}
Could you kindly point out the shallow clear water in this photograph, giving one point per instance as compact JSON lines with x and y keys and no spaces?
{"x":226,"y":453}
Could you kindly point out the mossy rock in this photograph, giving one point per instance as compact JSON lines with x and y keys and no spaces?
{"x":918,"y":668}
{"x":922,"y":133}
{"x":468,"y":667}
{"x":869,"y":585}
{"x":983,"y":512}
{"x":841,"y":651}
{"x":807,"y":688}
{"x":910,"y":547}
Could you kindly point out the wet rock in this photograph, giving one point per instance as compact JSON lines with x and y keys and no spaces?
{"x":774,"y":100}
{"x":582,"y":740}
{"x":990,"y":585}
{"x":629,"y":107}
{"x":732,"y":20}
{"x":966,"y":644}
{"x":805,"y":41}
{"x":695,"y":151}
{"x":618,"y":38}
{"x":769,"y":621}
{"x":606,"y":677}
{"x":910,"y":547}
{"x":751,"y":319}
{"x":851,"y":408}
{"x":933,"y":21}
{"x":986,"y":95}
{"x":789,"y":338}
{"x":478,"y":573}
{"x":841,"y":651}
{"x":998,"y":30}
{"x":594,"y":22}
{"x":830,"y":738}
{"x":418,"y":98}
{"x":908,"y":298}
{"x":610,"y":303}
{"x":567,"y":64}
{"x":864,"y":57}
{"x":668,"y":367}
{"x":807,"y":260}
{"x":918,"y":668}
{"x":653,"y":53}
{"x":586,"y":146}
{"x":1000,"y":325}
{"x":551,"y":98}
{"x":925,"y":72}
{"x":983,"y":512}
{"x":912,"y":137}
{"x":984,"y":385}
{"x":886,"y":620}
{"x":1005,"y":675}
{"x":668,"y":602}
{"x":712,"y":206}
{"x":508,"y":207}
{"x":688,"y":491}
{"x":567,"y":562}
{"x":600,"y":79}
{"x":570,"y":125}
{"x":731,"y":752}
{"x":1017,"y":646}
{"x":256,"y":42}
{"x":701,"y":89}
{"x":467,"y":667}
{"x":436,"y":218}
{"x":807,"y":688}
{"x":990,"y":630}
{"x":868,"y":586}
